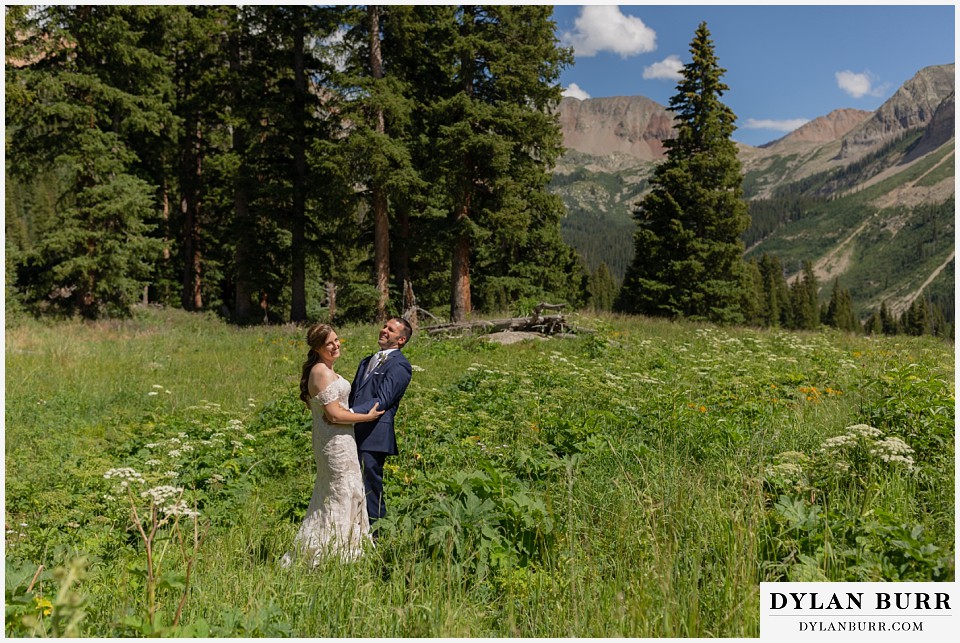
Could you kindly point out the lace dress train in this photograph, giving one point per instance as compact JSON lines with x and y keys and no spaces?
{"x":336,"y":522}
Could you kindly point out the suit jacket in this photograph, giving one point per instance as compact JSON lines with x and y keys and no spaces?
{"x":386,"y":385}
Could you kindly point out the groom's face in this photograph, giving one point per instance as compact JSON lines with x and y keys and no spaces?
{"x":391,"y":335}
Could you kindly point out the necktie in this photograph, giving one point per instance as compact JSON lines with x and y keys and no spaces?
{"x":375,"y":361}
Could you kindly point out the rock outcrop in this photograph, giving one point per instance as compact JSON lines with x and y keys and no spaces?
{"x":912,"y":106}
{"x":632,"y":125}
{"x":940,"y":129}
{"x":824,"y":129}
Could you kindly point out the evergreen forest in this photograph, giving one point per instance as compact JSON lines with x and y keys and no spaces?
{"x":347,"y":163}
{"x":283,"y":163}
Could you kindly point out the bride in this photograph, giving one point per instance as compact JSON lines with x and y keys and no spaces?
{"x":336,"y":522}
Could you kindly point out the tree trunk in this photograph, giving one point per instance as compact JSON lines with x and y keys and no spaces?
{"x":244,"y":287}
{"x":460,"y":305}
{"x":402,"y":254}
{"x":191,"y":296}
{"x":381,"y":222}
{"x":298,"y":303}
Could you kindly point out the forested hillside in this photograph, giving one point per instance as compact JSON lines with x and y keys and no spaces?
{"x":853,"y":193}
{"x":277,"y":163}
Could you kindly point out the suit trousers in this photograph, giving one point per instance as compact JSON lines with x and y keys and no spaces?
{"x":371,"y":464}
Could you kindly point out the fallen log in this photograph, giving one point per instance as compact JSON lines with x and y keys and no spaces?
{"x":535,"y":323}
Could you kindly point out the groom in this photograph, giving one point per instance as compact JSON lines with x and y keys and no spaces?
{"x":382,"y":377}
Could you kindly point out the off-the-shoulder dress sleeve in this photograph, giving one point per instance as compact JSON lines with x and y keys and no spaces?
{"x":329,"y":394}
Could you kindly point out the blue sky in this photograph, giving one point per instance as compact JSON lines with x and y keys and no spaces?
{"x":785,"y":65}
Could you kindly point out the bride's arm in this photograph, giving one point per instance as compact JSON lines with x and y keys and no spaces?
{"x":322,"y":377}
{"x":339,"y":415}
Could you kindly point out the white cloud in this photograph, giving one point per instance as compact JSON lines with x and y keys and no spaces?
{"x":784,"y":125}
{"x":333,"y":49}
{"x":857,"y":85}
{"x":670,"y":68}
{"x":605,"y":28}
{"x":574,"y":91}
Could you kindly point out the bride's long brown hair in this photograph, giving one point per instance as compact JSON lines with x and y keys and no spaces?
{"x":316,"y":337}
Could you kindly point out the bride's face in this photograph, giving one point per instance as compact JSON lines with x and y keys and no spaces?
{"x":330,"y":351}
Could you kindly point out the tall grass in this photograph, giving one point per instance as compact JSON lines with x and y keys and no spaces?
{"x":620,"y":483}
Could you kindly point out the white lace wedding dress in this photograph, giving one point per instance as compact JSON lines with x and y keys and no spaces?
{"x":336,"y":522}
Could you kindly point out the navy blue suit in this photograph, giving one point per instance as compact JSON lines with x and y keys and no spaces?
{"x":376,"y":440}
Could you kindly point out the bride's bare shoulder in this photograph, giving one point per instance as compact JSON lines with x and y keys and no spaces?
{"x":321,"y":376}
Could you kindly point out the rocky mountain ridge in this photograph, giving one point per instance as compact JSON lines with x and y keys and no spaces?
{"x":825,"y":128}
{"x":864,"y":185}
{"x":632,"y":125}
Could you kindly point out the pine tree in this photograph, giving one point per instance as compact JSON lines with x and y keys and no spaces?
{"x":888,"y":322}
{"x":873,"y":325}
{"x":601,"y":289}
{"x":776,"y":305}
{"x":90,"y":92}
{"x":916,"y":319}
{"x":688,"y":252}
{"x":804,"y":301}
{"x":752,"y":295}
{"x":378,"y":107}
{"x":839,"y":311}
{"x":486,"y":83}
{"x":938,"y":321}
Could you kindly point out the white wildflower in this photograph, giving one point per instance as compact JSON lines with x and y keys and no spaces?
{"x":247,"y":436}
{"x":837,"y":442}
{"x":159,"y":495}
{"x":152,"y":462}
{"x":418,"y":369}
{"x":174,"y":440}
{"x":182,"y":435}
{"x":174,"y":453}
{"x":893,"y":450}
{"x":180,"y":508}
{"x":864,"y":430}
{"x":124,"y":473}
{"x":839,"y":466}
{"x":171,"y":474}
{"x":151,"y":445}
{"x":186,"y":447}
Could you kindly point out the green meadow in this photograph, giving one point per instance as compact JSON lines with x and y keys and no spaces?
{"x":639,"y":480}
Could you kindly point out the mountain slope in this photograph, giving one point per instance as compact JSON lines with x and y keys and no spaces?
{"x":867,"y":196}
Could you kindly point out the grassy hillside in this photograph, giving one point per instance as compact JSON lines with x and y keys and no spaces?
{"x":638,"y":481}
